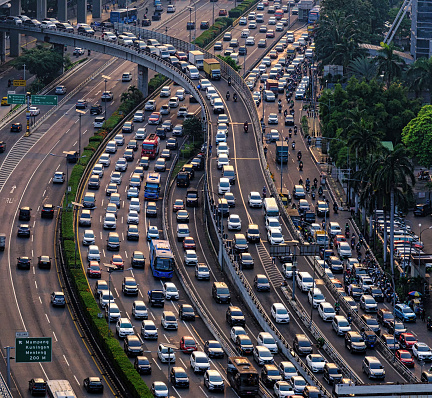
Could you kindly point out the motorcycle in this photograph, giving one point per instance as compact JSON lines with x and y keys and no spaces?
{"x":235,"y":97}
{"x":299,"y":155}
{"x":337,"y":309}
{"x":320,"y":191}
{"x":280,"y":108}
{"x":293,"y":145}
{"x":313,"y":195}
{"x":295,"y":130}
{"x":429,"y":325}
{"x":229,"y":81}
{"x":227,"y":96}
{"x":301,"y":165}
{"x":335,"y":208}
{"x":246,"y":127}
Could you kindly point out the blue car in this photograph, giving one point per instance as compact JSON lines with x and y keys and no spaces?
{"x":405,"y":313}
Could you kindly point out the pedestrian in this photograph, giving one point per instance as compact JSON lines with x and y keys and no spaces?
{"x":265,"y":152}
{"x":423,"y":314}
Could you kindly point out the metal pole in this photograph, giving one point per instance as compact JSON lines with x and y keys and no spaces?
{"x":190,"y":23}
{"x":282,"y":163}
{"x":109,"y":292}
{"x":213,"y":12}
{"x":8,"y":365}
{"x":221,"y":240}
{"x":105,"y":101}
{"x":294,"y":273}
{"x":194,"y":39}
{"x":67,"y":183}
{"x":79,"y":139}
{"x":169,"y":369}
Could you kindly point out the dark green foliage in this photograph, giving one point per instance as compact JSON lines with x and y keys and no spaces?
{"x":193,"y":128}
{"x":215,"y":30}
{"x":230,"y":62}
{"x":155,"y":82}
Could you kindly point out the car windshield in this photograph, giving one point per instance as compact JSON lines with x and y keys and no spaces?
{"x":405,"y":355}
{"x":328,"y":309}
{"x":268,"y":340}
{"x":357,"y":339}
{"x":407,"y":310}
{"x":214,"y":345}
{"x":372,"y":322}
{"x":410,"y":338}
{"x":300,"y":382}
{"x":150,"y":327}
{"x":160,"y":387}
{"x":201,"y":360}
{"x":215,"y":378}
{"x":273,"y":372}
{"x":317,"y":359}
{"x":399,"y":326}
{"x":375,"y":365}
{"x":140,"y":307}
{"x":369,"y":301}
{"x":423,"y":348}
{"x":318,"y":296}
{"x":236,"y":313}
{"x":265,"y":354}
{"x":343,"y":323}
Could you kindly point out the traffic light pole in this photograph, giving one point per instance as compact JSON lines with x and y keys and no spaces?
{"x":27,"y":133}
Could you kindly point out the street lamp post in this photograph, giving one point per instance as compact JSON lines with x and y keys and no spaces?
{"x":66,"y":153}
{"x":80,"y":113}
{"x":109,"y":268}
{"x":76,"y":206}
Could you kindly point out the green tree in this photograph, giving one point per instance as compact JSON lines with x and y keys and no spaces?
{"x":417,"y":136}
{"x":193,"y":128}
{"x":132,"y":94}
{"x":419,"y":75}
{"x":44,"y":62}
{"x":230,"y":62}
{"x":393,"y":178}
{"x":363,"y":68}
{"x":389,"y":63}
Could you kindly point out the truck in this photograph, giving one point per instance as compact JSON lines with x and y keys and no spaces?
{"x":272,"y":85}
{"x":212,"y":68}
{"x":282,"y":152}
{"x":197,"y":58}
{"x":60,"y":389}
{"x":321,"y":237}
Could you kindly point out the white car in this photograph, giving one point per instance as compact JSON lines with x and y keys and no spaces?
{"x":288,"y":270}
{"x":170,"y":291}
{"x":166,"y":353}
{"x":124,"y":328}
{"x":287,"y":370}
{"x":243,"y":21}
{"x":116,"y":177}
{"x":110,"y":221}
{"x":340,"y":325}
{"x":334,"y":229}
{"x":315,"y":297}
{"x":236,"y":331}
{"x":275,"y":237}
{"x":105,"y":296}
{"x":224,"y":186}
{"x":250,"y":41}
{"x":326,"y":311}
{"x":262,"y":355}
{"x":150,"y":105}
{"x":199,"y":361}
{"x":283,"y":389}
{"x":298,"y":383}
{"x":152,"y":232}
{"x":422,"y":351}
{"x":134,"y":204}
{"x":105,"y":159}
{"x":180,"y":94}
{"x":273,"y":222}
{"x":34,"y":111}
{"x":344,"y":250}
{"x":223,"y":148}
{"x":159,"y":389}
{"x":244,"y":33}
{"x":89,"y":237}
{"x":368,"y":303}
{"x":223,"y":160}
{"x":254,"y":199}
{"x":169,"y":321}
{"x":139,"y":116}
{"x":190,"y":257}
{"x":182,"y":112}
{"x":315,"y":362}
{"x":93,"y":253}
{"x":98,"y":169}
{"x":140,"y":134}
{"x":133,"y":217}
{"x":165,"y":92}
{"x":112,"y":312}
{"x":111,"y":147}
{"x":205,"y":83}
{"x":60,"y":90}
{"x":139,"y":310}
{"x":279,"y":313}
{"x":210,"y":91}
{"x":234,"y":222}
{"x":119,"y":139}
{"x":59,"y":177}
{"x":273,"y":118}
{"x":173,"y":102}
{"x":265,"y":339}
{"x":202,"y":272}
{"x":223,"y":118}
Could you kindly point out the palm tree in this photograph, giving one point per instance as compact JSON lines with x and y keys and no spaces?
{"x":364,"y":139}
{"x":419,"y":75}
{"x":393,"y":178}
{"x":389,"y":63}
{"x":363,"y":68}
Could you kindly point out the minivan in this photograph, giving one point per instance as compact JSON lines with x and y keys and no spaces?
{"x":220,"y":292}
{"x":89,"y":200}
{"x":224,"y":186}
{"x":182,"y":232}
{"x":113,"y":241}
{"x":304,"y":281}
{"x":228,"y":172}
{"x":271,"y":208}
{"x":192,"y":72}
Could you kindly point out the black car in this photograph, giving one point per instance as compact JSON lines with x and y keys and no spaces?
{"x":37,"y":386}
{"x":132,"y":346}
{"x":81,"y":104}
{"x":426,"y":377}
{"x":145,"y":22}
{"x":138,"y":259}
{"x":142,"y":365}
{"x":270,"y":375}
{"x":93,"y":384}
{"x":204,"y":25}
{"x":179,"y":377}
{"x":132,"y":234}
{"x":242,"y":50}
{"x":192,"y":198}
{"x":156,"y":17}
{"x":2,"y":146}
{"x":186,"y":312}
{"x":156,"y":298}
{"x":24,"y":230}
{"x":354,"y":342}
{"x":213,"y":349}
{"x":47,"y":211}
{"x":377,"y":294}
{"x":96,"y":109}
{"x":23,"y":263}
{"x":16,"y":127}
{"x":44,"y":262}
{"x":234,"y":316}
{"x":385,"y":316}
{"x":24,"y":214}
{"x":172,"y":143}
{"x":161,"y":133}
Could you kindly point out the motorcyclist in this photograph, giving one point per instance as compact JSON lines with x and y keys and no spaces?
{"x":293,"y":145}
{"x":335,"y":207}
{"x":295,"y":130}
{"x":349,"y":318}
{"x":285,"y":113}
{"x":246,"y":126}
{"x":301,"y":165}
{"x":299,"y":155}
{"x":229,"y":80}
{"x":235,"y":97}
{"x":320,"y":191}
{"x":264,"y":191}
{"x":307,"y":182}
{"x":337,"y":307}
{"x":347,"y":228}
{"x":227,"y":95}
{"x":300,"y":181}
{"x":315,"y":181}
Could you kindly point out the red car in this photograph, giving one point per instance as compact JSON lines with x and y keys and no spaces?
{"x":178,"y":205}
{"x":405,"y":357}
{"x":223,"y":12}
{"x":188,"y":344}
{"x":337,"y":239}
{"x":117,"y":261}
{"x":189,"y":243}
{"x":407,"y":340}
{"x":181,"y":56}
{"x":155,"y":118}
{"x":93,"y":270}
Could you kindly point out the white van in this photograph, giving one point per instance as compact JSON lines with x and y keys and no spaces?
{"x":218,"y":106}
{"x":304,"y":281}
{"x":224,"y":186}
{"x":163,"y":52}
{"x":192,"y":72}
{"x":271,"y":208}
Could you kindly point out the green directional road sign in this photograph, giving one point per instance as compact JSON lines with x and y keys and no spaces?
{"x":44,"y":99}
{"x":33,"y":349}
{"x":16,"y":98}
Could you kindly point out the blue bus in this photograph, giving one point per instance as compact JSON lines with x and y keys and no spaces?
{"x":152,"y":186}
{"x":161,"y":259}
{"x":123,"y":15}
{"x":314,"y":14}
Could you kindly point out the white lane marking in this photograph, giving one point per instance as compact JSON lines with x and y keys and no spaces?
{"x":67,"y":363}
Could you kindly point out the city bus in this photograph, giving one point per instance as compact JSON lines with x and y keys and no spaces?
{"x":152,"y":186}
{"x":279,"y":14}
{"x":123,"y":15}
{"x":314,"y":14}
{"x":242,"y":376}
{"x":161,"y":259}
{"x":150,"y":146}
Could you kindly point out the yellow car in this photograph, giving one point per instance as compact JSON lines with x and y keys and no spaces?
{"x":4,"y":101}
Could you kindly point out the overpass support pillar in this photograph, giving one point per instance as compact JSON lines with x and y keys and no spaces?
{"x":2,"y":47}
{"x":60,"y":48}
{"x":143,"y":80}
{"x":15,"y":37}
{"x":82,"y":11}
{"x":41,"y":9}
{"x":62,"y":10}
{"x":97,"y":9}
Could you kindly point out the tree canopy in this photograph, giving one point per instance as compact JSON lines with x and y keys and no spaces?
{"x":417,"y":136}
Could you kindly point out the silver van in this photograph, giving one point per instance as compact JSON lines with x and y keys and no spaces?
{"x":228,"y":172}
